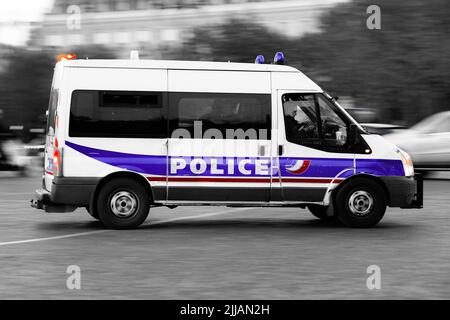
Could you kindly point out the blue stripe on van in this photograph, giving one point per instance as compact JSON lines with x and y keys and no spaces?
{"x":380,"y":167}
{"x":318,"y":167}
{"x":146,"y":164}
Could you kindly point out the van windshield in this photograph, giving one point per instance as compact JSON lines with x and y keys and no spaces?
{"x":51,"y":112}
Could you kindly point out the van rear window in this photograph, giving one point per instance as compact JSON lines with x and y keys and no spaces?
{"x":51,"y":116}
{"x":127,"y":114}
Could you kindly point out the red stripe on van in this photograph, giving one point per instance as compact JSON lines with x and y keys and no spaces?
{"x":250,"y":180}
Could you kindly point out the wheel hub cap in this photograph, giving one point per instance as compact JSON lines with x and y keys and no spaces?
{"x":360,"y":203}
{"x":123,"y":204}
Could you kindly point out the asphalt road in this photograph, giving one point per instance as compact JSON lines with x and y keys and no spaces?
{"x":223,"y":253}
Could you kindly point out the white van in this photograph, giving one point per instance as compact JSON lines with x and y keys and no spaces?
{"x":127,"y":135}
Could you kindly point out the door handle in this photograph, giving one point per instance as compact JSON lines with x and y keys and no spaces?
{"x":280,"y":150}
{"x":262,"y":150}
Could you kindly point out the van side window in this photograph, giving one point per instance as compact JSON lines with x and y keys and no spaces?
{"x":300,"y":119}
{"x":334,"y":128}
{"x":220,"y":115}
{"x":117,"y":114}
{"x":311,"y":120}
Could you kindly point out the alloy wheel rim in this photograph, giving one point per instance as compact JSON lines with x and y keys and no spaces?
{"x":361,"y":203}
{"x":124,"y":204}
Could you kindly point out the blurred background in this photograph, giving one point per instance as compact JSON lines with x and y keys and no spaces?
{"x":394,"y":80}
{"x":388,"y":78}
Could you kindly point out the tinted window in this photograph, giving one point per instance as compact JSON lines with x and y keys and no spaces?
{"x":51,"y":115}
{"x":312,"y":120}
{"x":220,"y":115}
{"x":117,"y":114}
{"x":334,"y":128}
{"x":300,"y":119}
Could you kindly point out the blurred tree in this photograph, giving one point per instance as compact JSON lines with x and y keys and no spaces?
{"x":236,"y":41}
{"x":403,"y":69}
{"x":25,"y":84}
{"x":24,"y":88}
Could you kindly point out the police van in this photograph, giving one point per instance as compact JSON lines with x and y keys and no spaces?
{"x":127,"y":135}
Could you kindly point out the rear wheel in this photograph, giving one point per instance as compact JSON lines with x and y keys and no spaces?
{"x":360,"y":203}
{"x":320,"y":212}
{"x":123,"y":203}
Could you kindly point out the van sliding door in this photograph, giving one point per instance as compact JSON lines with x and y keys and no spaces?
{"x":219,"y":142}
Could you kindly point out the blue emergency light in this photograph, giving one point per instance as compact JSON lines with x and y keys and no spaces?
{"x":260,"y":59}
{"x":279,"y":58}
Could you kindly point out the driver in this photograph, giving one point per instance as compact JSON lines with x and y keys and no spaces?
{"x":298,"y":124}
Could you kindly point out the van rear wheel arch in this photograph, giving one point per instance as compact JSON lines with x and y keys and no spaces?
{"x":116,"y":175}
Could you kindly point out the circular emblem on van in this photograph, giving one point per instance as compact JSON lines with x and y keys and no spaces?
{"x":298,"y":167}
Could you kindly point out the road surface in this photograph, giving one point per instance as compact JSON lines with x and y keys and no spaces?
{"x":222,"y":253}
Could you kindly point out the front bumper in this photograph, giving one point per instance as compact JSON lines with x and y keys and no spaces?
{"x":418,"y":199}
{"x":405,"y":192}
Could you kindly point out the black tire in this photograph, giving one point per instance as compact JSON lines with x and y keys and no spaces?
{"x":360,"y":203}
{"x":320,"y":212}
{"x":123,"y":203}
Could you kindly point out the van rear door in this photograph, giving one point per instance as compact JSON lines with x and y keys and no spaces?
{"x":49,"y":139}
{"x":51,"y":127}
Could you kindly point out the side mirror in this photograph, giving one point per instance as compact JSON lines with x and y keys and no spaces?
{"x":352,"y":134}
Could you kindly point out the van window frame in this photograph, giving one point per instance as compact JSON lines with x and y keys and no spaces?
{"x":164,"y":113}
{"x":359,"y":146}
{"x":174,"y":110}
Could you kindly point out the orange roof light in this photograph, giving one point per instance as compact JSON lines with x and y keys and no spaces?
{"x":66,"y":56}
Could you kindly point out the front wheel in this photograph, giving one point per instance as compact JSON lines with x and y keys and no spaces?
{"x":123,"y":203}
{"x":360,"y":203}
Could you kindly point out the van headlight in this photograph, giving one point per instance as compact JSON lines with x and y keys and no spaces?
{"x":408,"y":166}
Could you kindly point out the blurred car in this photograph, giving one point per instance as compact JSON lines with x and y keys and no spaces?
{"x":369,"y":119}
{"x":382,"y":128}
{"x":428,"y":142}
{"x":363,"y":115}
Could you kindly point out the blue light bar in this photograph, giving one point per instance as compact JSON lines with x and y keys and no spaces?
{"x":279,"y":58}
{"x":260,"y":59}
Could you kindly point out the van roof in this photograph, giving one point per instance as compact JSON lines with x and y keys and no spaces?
{"x":176,"y":64}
